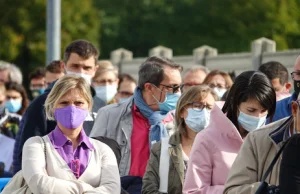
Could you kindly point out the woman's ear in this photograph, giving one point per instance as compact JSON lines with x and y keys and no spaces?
{"x":294,"y":108}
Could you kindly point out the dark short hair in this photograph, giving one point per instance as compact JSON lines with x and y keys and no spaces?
{"x":125,"y":77}
{"x":19,"y":88}
{"x":37,"y":73}
{"x":83,"y":48}
{"x":273,"y":70}
{"x":152,"y":70}
{"x":55,"y":67}
{"x":250,"y":85}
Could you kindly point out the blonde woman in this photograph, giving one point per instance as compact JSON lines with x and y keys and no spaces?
{"x":74,"y":162}
{"x":192,"y":115}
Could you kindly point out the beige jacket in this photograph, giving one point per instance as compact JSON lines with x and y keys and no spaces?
{"x":176,"y":168}
{"x":255,"y":156}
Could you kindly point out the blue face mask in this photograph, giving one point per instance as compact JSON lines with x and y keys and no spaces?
{"x":121,"y":100}
{"x":106,"y":93}
{"x":170,"y":101}
{"x":197,"y":120}
{"x":250,"y":123}
{"x":36,"y":93}
{"x":13,"y":106}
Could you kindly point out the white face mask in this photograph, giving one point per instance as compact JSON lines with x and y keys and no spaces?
{"x":106,"y":93}
{"x":250,"y":123}
{"x":197,"y":120}
{"x":87,"y":77}
{"x":220,"y":91}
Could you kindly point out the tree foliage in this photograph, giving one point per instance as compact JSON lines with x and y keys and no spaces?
{"x":228,"y":25}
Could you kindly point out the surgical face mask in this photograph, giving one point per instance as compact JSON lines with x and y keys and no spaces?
{"x":36,"y":93}
{"x":121,"y":100}
{"x":87,"y":77}
{"x":197,"y":120}
{"x":13,"y":106}
{"x":250,"y":123}
{"x":106,"y":93}
{"x":220,"y":91}
{"x":71,"y":117}
{"x":169,"y":103}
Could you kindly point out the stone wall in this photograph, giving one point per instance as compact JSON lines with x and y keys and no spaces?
{"x":262,"y":50}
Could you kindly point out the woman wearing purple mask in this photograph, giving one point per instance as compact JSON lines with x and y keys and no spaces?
{"x":74,"y":162}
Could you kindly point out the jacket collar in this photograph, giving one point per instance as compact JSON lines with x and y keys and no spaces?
{"x":220,"y":124}
{"x":175,"y":152}
{"x":281,"y":133}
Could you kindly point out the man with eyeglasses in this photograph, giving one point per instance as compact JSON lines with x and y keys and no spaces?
{"x":284,"y":107}
{"x":143,"y":119}
{"x":194,"y":76}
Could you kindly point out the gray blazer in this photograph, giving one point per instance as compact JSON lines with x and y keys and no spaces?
{"x":115,"y":121}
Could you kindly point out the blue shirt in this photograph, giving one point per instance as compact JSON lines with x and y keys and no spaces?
{"x":283,"y":108}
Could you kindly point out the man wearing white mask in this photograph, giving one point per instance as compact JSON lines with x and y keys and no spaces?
{"x":80,"y":58}
{"x":142,"y":119}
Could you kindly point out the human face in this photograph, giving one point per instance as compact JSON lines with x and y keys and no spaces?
{"x":158,"y":93}
{"x":193,"y":78}
{"x":217,"y":81}
{"x":208,"y":102}
{"x":72,"y":97}
{"x":277,"y":86}
{"x":4,"y":76}
{"x":106,"y":78}
{"x":37,"y":83}
{"x":126,"y":90}
{"x":13,"y":94}
{"x":253,"y":108}
{"x":2,"y":99}
{"x":51,"y":77}
{"x":78,"y":64}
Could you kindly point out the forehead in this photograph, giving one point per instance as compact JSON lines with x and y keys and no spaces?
{"x":171,"y":76}
{"x":252,"y":103}
{"x":76,"y":59}
{"x":13,"y":92}
{"x":217,"y":79}
{"x":196,"y":76}
{"x":127,"y":85}
{"x":106,"y":75}
{"x":72,"y":94}
{"x":297,"y":64}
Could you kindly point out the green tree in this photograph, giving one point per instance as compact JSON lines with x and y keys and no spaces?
{"x":23,"y":29}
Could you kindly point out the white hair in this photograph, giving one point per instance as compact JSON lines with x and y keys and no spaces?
{"x":196,"y":68}
{"x":15,"y":74}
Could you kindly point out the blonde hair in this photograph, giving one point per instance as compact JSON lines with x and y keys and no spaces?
{"x":62,"y":87}
{"x":190,"y":95}
{"x":101,"y":71}
{"x":2,"y":88}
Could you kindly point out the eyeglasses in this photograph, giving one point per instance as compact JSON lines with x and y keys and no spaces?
{"x":200,"y":106}
{"x":175,"y":88}
{"x":295,"y":75}
{"x":220,"y":86}
{"x":125,"y":93}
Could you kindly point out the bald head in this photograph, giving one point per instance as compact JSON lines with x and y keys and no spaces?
{"x":297,"y":64}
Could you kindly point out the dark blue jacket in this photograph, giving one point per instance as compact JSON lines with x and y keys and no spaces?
{"x":34,"y":123}
{"x":284,"y":108}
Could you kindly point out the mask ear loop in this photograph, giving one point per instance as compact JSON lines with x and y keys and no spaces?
{"x":157,"y":101}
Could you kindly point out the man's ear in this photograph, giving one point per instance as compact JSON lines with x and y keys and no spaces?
{"x":288,"y":86}
{"x":148,"y":87}
{"x":294,"y":108}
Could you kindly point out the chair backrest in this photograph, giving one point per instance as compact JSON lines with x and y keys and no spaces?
{"x":113,"y":145}
{"x":3,"y":182}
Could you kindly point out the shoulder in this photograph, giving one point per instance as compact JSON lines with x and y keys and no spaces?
{"x":100,"y":147}
{"x":33,"y":141}
{"x":267,"y":129}
{"x":116,"y":107}
{"x":284,"y":102}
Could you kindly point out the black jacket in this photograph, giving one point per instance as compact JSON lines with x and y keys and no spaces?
{"x":34,"y":123}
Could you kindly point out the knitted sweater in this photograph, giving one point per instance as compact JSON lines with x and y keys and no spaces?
{"x":100,"y":176}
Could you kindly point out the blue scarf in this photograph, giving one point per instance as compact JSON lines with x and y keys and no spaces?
{"x":157,"y":129}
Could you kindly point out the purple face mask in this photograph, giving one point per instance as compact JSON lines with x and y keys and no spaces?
{"x":70,"y":117}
